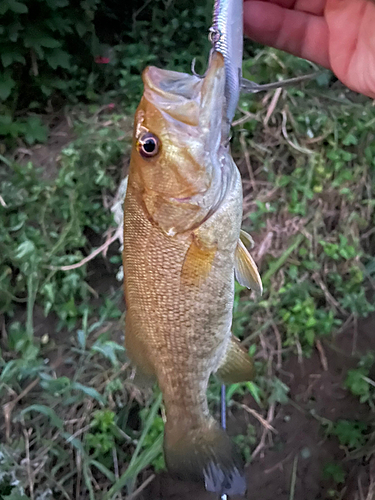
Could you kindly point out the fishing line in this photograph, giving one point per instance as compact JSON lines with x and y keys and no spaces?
{"x":249,"y":87}
{"x":223,"y":419}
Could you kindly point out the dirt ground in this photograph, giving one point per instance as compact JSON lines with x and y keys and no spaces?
{"x":316,"y":393}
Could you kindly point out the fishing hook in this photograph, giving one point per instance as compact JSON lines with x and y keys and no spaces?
{"x":213,"y":37}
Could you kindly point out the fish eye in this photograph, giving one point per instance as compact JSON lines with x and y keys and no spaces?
{"x":148,"y":145}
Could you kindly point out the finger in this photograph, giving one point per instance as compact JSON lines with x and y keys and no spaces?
{"x":352,"y":49}
{"x":299,"y":33}
{"x":311,"y":6}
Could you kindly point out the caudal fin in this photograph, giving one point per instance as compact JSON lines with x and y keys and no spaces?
{"x":204,"y":454}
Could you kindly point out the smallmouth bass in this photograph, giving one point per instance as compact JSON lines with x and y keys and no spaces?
{"x":182,"y":244}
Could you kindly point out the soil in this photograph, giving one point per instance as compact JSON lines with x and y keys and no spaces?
{"x":300,"y":440}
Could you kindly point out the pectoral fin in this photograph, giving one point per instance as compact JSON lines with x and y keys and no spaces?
{"x":198,"y":263}
{"x":246,"y":270}
{"x":237,"y":365}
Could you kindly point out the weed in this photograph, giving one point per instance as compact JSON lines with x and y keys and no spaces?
{"x":334,"y":471}
{"x":35,"y":244}
{"x":351,"y":434}
{"x":359,"y":382}
{"x":246,"y":442}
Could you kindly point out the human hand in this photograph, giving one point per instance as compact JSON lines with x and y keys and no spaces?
{"x":338,"y":34}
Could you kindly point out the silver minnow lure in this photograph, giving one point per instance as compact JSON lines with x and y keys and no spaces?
{"x":227,"y":38}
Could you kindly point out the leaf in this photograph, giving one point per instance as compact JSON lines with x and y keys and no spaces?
{"x":255,"y":391}
{"x":73,"y":441}
{"x":14,"y":6}
{"x":15,"y":496}
{"x":350,"y":140}
{"x":134,"y":468}
{"x":34,"y":130}
{"x":13,"y":31}
{"x":89,"y":391}
{"x":103,"y":470}
{"x":36,"y":39}
{"x":6,"y":85}
{"x":11,"y":368}
{"x":356,"y":383}
{"x":18,"y":7}
{"x":279,"y":392}
{"x":25,"y":250}
{"x":81,"y":337}
{"x":48,"y":42}
{"x":108,"y":349}
{"x":310,"y":336}
{"x":350,"y":433}
{"x":10,"y":56}
{"x":334,"y":471}
{"x":149,"y":421}
{"x":58,"y":58}
{"x":48,"y":412}
{"x":57,"y":4}
{"x":81,"y":28}
{"x":54,"y":385}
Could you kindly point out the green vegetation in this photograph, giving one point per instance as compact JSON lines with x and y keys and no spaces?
{"x":69,"y":403}
{"x":54,"y":51}
{"x":358,"y":380}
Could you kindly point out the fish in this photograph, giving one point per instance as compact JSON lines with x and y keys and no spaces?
{"x":183,"y":245}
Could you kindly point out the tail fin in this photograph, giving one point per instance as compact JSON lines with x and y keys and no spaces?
{"x":204,"y":453}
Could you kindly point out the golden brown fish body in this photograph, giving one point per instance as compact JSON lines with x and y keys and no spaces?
{"x":182,"y":218}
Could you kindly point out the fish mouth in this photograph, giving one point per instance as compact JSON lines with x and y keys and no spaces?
{"x":212,"y":107}
{"x":190,"y":99}
{"x":182,"y":85}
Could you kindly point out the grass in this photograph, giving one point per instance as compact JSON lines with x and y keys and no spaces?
{"x":73,"y":421}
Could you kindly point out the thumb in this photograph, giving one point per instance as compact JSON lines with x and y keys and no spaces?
{"x":352,"y":43}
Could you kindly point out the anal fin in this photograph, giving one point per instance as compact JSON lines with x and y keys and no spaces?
{"x":237,"y":365}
